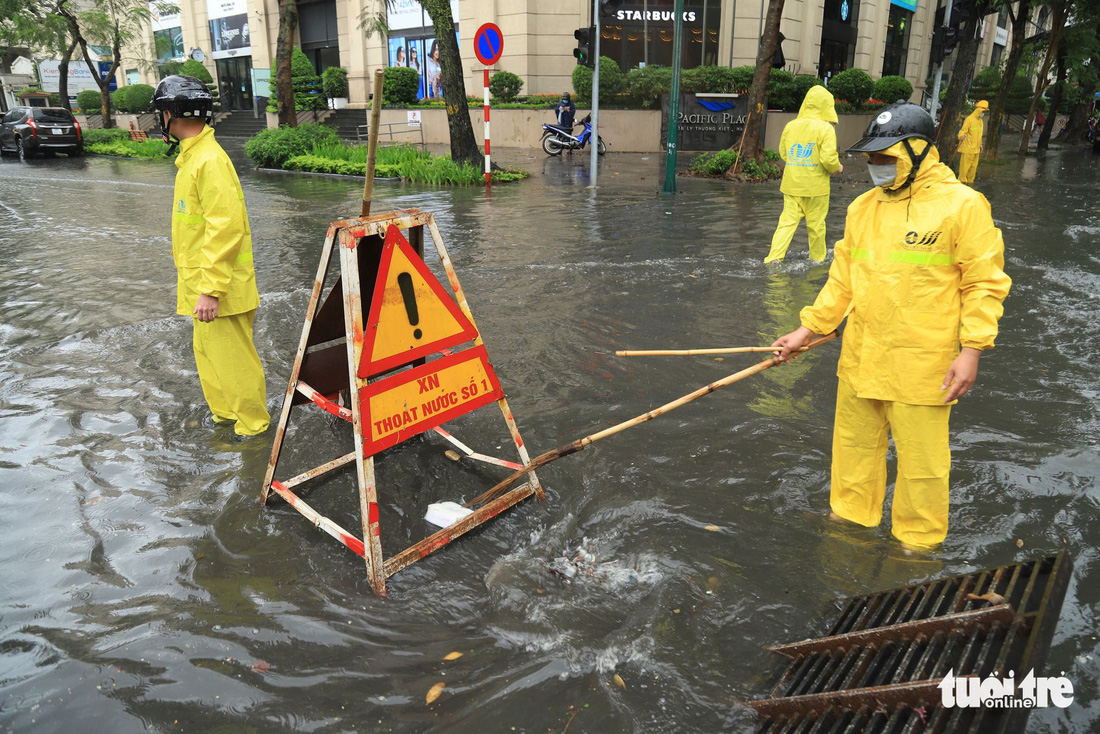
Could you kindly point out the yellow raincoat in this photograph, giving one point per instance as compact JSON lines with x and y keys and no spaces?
{"x":808,"y":146}
{"x":970,"y":143}
{"x":212,"y":248}
{"x":918,"y":273}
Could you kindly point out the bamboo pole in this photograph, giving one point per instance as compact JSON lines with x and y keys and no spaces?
{"x":692,"y":352}
{"x":575,"y":446}
{"x":372,"y":142}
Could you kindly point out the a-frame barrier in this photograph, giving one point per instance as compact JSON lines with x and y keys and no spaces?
{"x":341,"y":350}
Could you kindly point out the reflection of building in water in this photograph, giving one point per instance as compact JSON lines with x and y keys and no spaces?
{"x":784,"y":296}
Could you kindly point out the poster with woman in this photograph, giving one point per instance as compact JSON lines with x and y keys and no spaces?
{"x":432,"y":73}
{"x":397,"y":52}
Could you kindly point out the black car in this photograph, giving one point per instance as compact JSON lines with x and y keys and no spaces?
{"x":30,"y":130}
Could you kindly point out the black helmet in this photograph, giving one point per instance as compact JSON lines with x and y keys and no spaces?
{"x":900,"y":121}
{"x":183,"y":96}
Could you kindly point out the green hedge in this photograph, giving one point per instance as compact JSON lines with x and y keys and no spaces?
{"x":399,"y":86}
{"x":505,"y":86}
{"x":853,"y":86}
{"x":272,"y":148}
{"x":319,"y":164}
{"x":89,"y":101}
{"x":152,"y":148}
{"x":197,"y":70}
{"x":98,"y":135}
{"x":890,"y":89}
{"x":611,"y":80}
{"x":335,"y":82}
{"x":133,"y":99}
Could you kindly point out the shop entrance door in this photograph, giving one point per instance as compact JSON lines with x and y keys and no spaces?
{"x":235,"y":83}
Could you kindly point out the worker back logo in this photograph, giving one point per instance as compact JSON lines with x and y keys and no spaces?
{"x":992,"y":692}
{"x":799,"y":151}
{"x":716,"y":106}
{"x":916,"y":240}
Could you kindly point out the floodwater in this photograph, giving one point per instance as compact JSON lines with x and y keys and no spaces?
{"x":144,"y":588}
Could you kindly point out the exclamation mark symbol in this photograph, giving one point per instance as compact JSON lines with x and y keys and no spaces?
{"x":405,"y":283}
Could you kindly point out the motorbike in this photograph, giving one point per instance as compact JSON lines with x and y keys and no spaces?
{"x":556,"y":138}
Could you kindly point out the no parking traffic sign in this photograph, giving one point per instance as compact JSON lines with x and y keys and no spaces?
{"x":488,"y":43}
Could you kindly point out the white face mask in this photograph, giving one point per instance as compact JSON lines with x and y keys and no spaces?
{"x":883,"y":176}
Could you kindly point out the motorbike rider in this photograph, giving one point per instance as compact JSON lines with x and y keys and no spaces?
{"x":566,"y":111}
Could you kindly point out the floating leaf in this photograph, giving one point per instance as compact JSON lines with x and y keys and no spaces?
{"x":619,"y":681}
{"x":261,"y":666}
{"x":992,"y":597}
{"x":712,"y":528}
{"x":452,"y":656}
{"x":452,"y":455}
{"x":1019,"y":543}
{"x":434,"y":692}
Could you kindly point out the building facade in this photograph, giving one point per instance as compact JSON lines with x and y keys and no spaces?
{"x":236,"y":39}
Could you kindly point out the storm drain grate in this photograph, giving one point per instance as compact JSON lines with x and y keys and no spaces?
{"x":879,"y":667}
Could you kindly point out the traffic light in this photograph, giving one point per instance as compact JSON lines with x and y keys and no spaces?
{"x":944,"y":40}
{"x":583,"y":51}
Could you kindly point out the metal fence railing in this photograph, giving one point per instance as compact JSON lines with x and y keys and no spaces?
{"x":387,"y":129}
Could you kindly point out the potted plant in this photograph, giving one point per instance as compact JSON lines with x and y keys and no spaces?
{"x":334,"y":80}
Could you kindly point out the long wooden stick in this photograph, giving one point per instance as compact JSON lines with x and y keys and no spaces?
{"x":690,"y":352}
{"x":575,"y":446}
{"x":372,"y":142}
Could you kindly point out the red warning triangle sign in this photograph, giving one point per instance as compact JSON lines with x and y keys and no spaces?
{"x":411,"y":314}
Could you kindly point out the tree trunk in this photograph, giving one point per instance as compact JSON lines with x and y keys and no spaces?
{"x":284,"y":47}
{"x":750,"y":138}
{"x":1058,"y":23}
{"x":463,"y":143}
{"x":63,"y":76}
{"x":1055,"y":102}
{"x":1077,"y":127}
{"x":1012,"y":65}
{"x":962,"y":74}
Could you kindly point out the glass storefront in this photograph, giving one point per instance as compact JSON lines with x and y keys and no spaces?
{"x":642,"y":33}
{"x":838,"y":37}
{"x":897,"y":41}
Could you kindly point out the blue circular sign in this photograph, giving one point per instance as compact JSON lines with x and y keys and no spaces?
{"x":488,"y":43}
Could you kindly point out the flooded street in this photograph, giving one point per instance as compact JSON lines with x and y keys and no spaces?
{"x":143,"y":588}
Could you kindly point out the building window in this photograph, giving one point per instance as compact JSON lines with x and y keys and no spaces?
{"x":168,"y":43}
{"x":639,"y":34}
{"x":995,"y":58}
{"x":838,"y":37}
{"x":319,"y":35}
{"x":897,"y":41}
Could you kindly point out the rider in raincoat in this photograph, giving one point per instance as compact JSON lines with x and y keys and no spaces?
{"x":970,"y":142}
{"x":808,"y":146}
{"x":919,"y":276}
{"x":212,"y":248}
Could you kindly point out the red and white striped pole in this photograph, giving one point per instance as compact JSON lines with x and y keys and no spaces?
{"x":487,"y":165}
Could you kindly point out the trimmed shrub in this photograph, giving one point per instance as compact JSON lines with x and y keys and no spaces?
{"x":98,"y":135}
{"x":505,"y":86}
{"x":713,"y":164}
{"x":611,"y":80}
{"x":133,"y":99}
{"x":718,"y":79}
{"x":197,"y":70}
{"x":399,"y":86}
{"x":853,"y":86}
{"x":272,"y":148}
{"x":647,"y":84}
{"x":300,"y":65}
{"x":781,"y":91}
{"x":89,"y":101}
{"x":985,"y":83}
{"x":334,"y":80}
{"x":890,"y":89}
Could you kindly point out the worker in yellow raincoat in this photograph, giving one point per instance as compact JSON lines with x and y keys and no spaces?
{"x":919,"y":276}
{"x":808,"y":146}
{"x":971,"y":135}
{"x":212,"y":248}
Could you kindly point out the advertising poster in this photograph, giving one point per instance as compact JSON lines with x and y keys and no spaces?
{"x":399,"y":55}
{"x":229,"y":31}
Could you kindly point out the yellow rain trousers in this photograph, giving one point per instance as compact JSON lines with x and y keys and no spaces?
{"x":212,"y":249}
{"x":795,"y":208}
{"x":808,"y":146}
{"x":918,"y":273}
{"x":970,"y":146}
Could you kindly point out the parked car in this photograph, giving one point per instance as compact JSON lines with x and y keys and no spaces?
{"x":30,"y":130}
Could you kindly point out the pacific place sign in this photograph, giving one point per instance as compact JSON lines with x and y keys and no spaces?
{"x":707,"y":121}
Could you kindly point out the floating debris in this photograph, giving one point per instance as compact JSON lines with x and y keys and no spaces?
{"x":452,"y":656}
{"x":434,"y":692}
